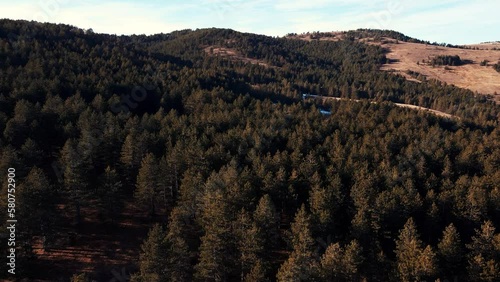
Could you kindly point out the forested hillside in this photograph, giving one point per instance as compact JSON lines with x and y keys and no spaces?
{"x":239,"y":177}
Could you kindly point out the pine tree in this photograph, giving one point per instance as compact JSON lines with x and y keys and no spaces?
{"x":111,"y":144}
{"x":427,"y":265}
{"x":322,"y":202}
{"x":36,"y":202}
{"x":413,"y":262}
{"x":485,"y":241}
{"x":75,"y":182}
{"x":166,"y":184}
{"x":339,"y":264}
{"x":294,"y":269}
{"x":31,"y":153}
{"x":484,"y":254}
{"x":152,"y":260}
{"x":448,"y":171}
{"x":131,"y":154}
{"x":217,"y":250}
{"x":109,"y":193}
{"x":353,"y":258}
{"x":9,"y":157}
{"x":249,"y":242}
{"x":146,"y":186}
{"x":481,"y":269}
{"x":450,"y":252}
{"x":257,"y":273}
{"x":366,"y":222}
{"x":300,"y":265}
{"x":301,"y":237}
{"x":266,"y":220}
{"x":190,"y":196}
{"x":178,"y":256}
{"x":91,"y":138}
{"x":331,"y":263}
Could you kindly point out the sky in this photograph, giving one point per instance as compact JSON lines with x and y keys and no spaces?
{"x":449,"y":21}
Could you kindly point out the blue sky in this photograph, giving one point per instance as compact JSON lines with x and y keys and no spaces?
{"x":450,"y":21}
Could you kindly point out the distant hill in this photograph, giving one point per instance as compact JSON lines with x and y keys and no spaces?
{"x":413,"y":58}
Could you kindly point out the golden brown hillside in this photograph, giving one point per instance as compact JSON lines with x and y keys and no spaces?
{"x":415,"y":57}
{"x":406,"y":56}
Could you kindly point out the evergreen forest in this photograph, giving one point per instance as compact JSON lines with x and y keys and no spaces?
{"x":236,"y":176}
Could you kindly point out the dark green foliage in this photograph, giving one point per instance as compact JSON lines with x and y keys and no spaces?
{"x":178,"y":254}
{"x":218,"y":247}
{"x":484,"y":254}
{"x":341,"y":264}
{"x":497,"y":67}
{"x":110,"y":194}
{"x":301,"y":264}
{"x":250,"y":245}
{"x":230,"y":153}
{"x":267,"y":221}
{"x":146,"y":192}
{"x":450,"y":252}
{"x":153,"y":262}
{"x":414,"y":262}
{"x":447,"y":60}
{"x":379,"y":34}
{"x":83,"y":277}
{"x":36,"y":199}
{"x":75,"y":172}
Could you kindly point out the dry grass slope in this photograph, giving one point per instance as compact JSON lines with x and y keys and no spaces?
{"x":482,"y":79}
{"x":406,"y":56}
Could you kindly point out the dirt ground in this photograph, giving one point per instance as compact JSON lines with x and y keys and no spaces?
{"x":106,"y":250}
{"x":408,"y":106}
